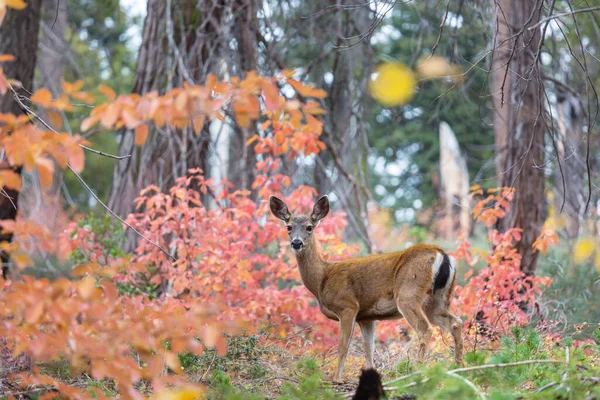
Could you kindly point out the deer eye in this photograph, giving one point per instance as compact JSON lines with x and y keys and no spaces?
{"x":309,"y":229}
{"x":289,"y":228}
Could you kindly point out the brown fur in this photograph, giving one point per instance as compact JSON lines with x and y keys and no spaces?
{"x":367,"y":289}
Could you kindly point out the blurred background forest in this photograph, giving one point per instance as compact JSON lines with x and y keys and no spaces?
{"x":390,"y":155}
{"x":505,"y":96}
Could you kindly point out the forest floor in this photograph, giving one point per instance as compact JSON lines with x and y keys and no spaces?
{"x":526,"y":365}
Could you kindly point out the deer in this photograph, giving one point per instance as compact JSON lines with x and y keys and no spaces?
{"x":415,"y":284}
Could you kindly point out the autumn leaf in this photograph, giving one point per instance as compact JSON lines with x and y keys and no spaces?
{"x":172,"y":361}
{"x":75,"y":153}
{"x":45,"y":168}
{"x":188,"y":392}
{"x":198,"y":124}
{"x":7,"y":58}
{"x":271,"y":96}
{"x":584,"y":248}
{"x":307,"y":90}
{"x":107,"y":92}
{"x":88,"y":122}
{"x":42,"y":98}
{"x":110,"y":115}
{"x":16,"y":4}
{"x":33,"y":314}
{"x":433,"y":66}
{"x":141,"y":134}
{"x":86,"y":287}
{"x":10,"y":180}
{"x":7,"y":225}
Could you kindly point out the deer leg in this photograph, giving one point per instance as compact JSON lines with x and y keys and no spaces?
{"x":368,"y":333}
{"x":347,"y":319}
{"x":453,"y":325}
{"x":413,"y":313}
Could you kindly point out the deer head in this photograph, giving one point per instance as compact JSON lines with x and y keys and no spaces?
{"x":300,"y":227}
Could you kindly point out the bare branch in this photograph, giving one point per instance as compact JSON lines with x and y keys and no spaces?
{"x":28,"y":110}
{"x":564,"y":14}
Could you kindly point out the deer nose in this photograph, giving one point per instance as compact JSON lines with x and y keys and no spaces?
{"x":297,"y":244}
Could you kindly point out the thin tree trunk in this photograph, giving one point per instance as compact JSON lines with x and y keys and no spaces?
{"x":524,"y":162}
{"x":19,"y":37}
{"x":500,"y":87}
{"x":242,"y":164}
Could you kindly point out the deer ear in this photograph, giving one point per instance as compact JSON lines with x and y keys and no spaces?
{"x":320,"y":209}
{"x":279,"y":209}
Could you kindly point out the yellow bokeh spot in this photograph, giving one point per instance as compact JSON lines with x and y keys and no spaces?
{"x":584,"y":248}
{"x":392,"y":84}
{"x":191,"y":392}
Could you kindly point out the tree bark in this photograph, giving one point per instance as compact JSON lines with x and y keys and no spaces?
{"x":242,"y":163}
{"x":18,"y":37}
{"x":52,"y":48}
{"x":345,"y":130}
{"x":500,"y":87}
{"x":180,"y":43}
{"x":523,"y":166}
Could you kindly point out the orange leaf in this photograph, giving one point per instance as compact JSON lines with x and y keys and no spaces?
{"x":16,"y":4}
{"x":76,"y":158}
{"x":173,"y":362}
{"x":107,"y":92}
{"x":86,"y":287}
{"x":33,"y":314}
{"x":7,"y":58}
{"x":307,"y":91}
{"x":10,"y":179}
{"x":141,"y":134}
{"x":21,"y":260}
{"x":181,"y":101}
{"x":110,"y":116}
{"x":7,"y":225}
{"x":251,"y":140}
{"x":198,"y":124}
{"x":45,"y":168}
{"x":42,"y":97}
{"x":271,"y":96}
{"x":55,"y":119}
{"x":88,"y":122}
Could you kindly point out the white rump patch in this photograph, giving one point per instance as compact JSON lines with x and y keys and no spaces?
{"x":437,"y":263}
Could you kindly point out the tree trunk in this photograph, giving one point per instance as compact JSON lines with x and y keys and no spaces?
{"x":341,"y":167}
{"x":182,"y":41}
{"x":523,"y":166}
{"x":500,"y":88}
{"x":572,"y":164}
{"x":18,"y":37}
{"x":52,"y":49}
{"x":242,"y":163}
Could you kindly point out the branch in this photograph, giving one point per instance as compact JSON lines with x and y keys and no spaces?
{"x":158,"y":246}
{"x":28,"y":110}
{"x":513,"y":364}
{"x":563,"y":15}
{"x":474,"y":368}
{"x":468,"y":382}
